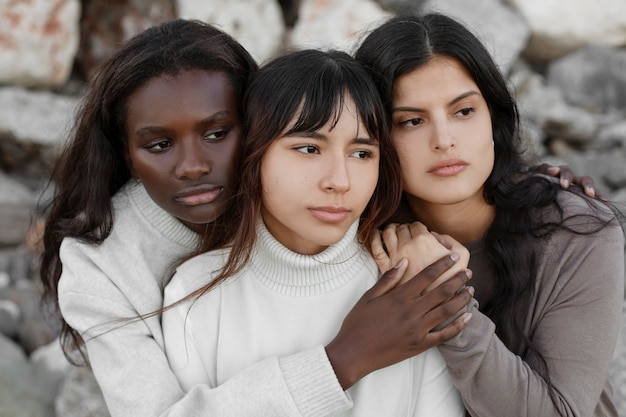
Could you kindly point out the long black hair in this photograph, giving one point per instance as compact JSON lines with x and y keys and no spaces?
{"x":92,"y":167}
{"x":512,"y":242}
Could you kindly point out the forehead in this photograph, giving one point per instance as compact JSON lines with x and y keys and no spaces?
{"x":436,"y":77}
{"x":191,"y":92}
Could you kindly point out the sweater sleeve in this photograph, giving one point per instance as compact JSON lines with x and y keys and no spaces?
{"x":303,"y":384}
{"x":128,"y":363}
{"x":574,"y":323}
{"x":133,"y":372}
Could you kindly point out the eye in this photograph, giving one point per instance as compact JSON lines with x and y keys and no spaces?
{"x":216,"y":135}
{"x":307,"y":149}
{"x":362,"y":154}
{"x":466,"y":111}
{"x":158,"y":145}
{"x":411,"y":122}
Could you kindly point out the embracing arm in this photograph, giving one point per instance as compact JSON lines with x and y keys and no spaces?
{"x":573,"y":322}
{"x":312,"y":383}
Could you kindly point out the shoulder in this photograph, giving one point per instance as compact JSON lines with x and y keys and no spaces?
{"x":195,"y":273}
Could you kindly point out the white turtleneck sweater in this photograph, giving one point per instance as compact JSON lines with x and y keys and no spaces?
{"x":259,"y":337}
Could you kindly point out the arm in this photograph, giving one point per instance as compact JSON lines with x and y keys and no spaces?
{"x":573,"y":321}
{"x":365,"y":342}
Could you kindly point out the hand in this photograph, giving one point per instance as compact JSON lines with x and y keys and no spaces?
{"x":566,"y":177}
{"x":393,"y":322}
{"x":421,"y":248}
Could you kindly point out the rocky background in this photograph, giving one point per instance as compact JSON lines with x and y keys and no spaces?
{"x":566,"y":62}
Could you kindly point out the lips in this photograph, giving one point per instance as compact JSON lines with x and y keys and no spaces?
{"x":199,"y":194}
{"x":448,"y":168}
{"x":330,"y":214}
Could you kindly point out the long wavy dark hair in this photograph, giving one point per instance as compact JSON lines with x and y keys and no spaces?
{"x":407,"y":42}
{"x":312,"y":85}
{"x":92,"y":167}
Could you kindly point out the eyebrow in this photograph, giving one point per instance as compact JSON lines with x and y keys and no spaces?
{"x":451,"y":103}
{"x":318,"y":136}
{"x":214,"y":118}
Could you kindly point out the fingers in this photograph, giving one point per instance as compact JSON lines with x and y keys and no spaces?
{"x":383,"y":261}
{"x":390,"y":237}
{"x":388,"y":280}
{"x":448,"y":332}
{"x":417,"y":284}
{"x":417,"y":228}
{"x":587,"y":185}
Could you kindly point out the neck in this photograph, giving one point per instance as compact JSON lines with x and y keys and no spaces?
{"x":465,"y":221}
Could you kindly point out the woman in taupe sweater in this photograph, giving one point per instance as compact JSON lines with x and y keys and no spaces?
{"x":548,"y":263}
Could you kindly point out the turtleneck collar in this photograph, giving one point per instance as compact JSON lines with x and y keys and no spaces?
{"x":294,"y":274}
{"x":163,"y":222}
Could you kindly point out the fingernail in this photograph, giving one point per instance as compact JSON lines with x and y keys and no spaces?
{"x":553,"y":170}
{"x":469,"y":273}
{"x":591,"y":191}
{"x":400,"y":263}
{"x":467,"y":317}
{"x":565,"y":183}
{"x":471,"y":290}
{"x":455,"y":256}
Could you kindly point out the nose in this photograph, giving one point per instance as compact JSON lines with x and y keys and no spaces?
{"x":442,"y":138}
{"x":192,"y":162}
{"x":337,"y":176}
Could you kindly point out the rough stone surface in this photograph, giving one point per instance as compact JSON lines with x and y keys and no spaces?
{"x":559,"y":28}
{"x":105,"y":25}
{"x":317,"y":26}
{"x":38,"y":41}
{"x":257,"y":24}
{"x":593,"y":77}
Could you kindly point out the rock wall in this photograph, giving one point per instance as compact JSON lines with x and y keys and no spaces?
{"x":566,"y":63}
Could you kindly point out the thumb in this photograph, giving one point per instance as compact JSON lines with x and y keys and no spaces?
{"x":389,"y":280}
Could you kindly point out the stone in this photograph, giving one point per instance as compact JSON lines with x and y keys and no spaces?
{"x":21,"y":393}
{"x":38,"y":41}
{"x":593,"y":77}
{"x":502,"y":31}
{"x":545,"y":106}
{"x":105,"y":25}
{"x":317,"y":26}
{"x":257,"y":24}
{"x":50,"y":365}
{"x":558,"y":28}
{"x":10,"y":317}
{"x":16,"y":205}
{"x":80,"y":396}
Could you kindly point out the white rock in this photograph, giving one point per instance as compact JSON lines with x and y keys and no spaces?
{"x":502,"y":31}
{"x":559,"y":27}
{"x":338,"y":24}
{"x":38,"y":41}
{"x":36,"y":116}
{"x":257,"y":24}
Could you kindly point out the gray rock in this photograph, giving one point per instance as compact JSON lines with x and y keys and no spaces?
{"x":593,"y":78}
{"x":80,"y":396}
{"x":22,"y":394}
{"x":10,"y":317}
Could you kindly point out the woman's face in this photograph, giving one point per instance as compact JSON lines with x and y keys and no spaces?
{"x":317,"y":184}
{"x":183,"y":136}
{"x":442,"y":132}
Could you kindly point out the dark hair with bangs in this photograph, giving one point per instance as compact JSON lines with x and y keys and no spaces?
{"x":92,"y":167}
{"x":312,"y":85}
